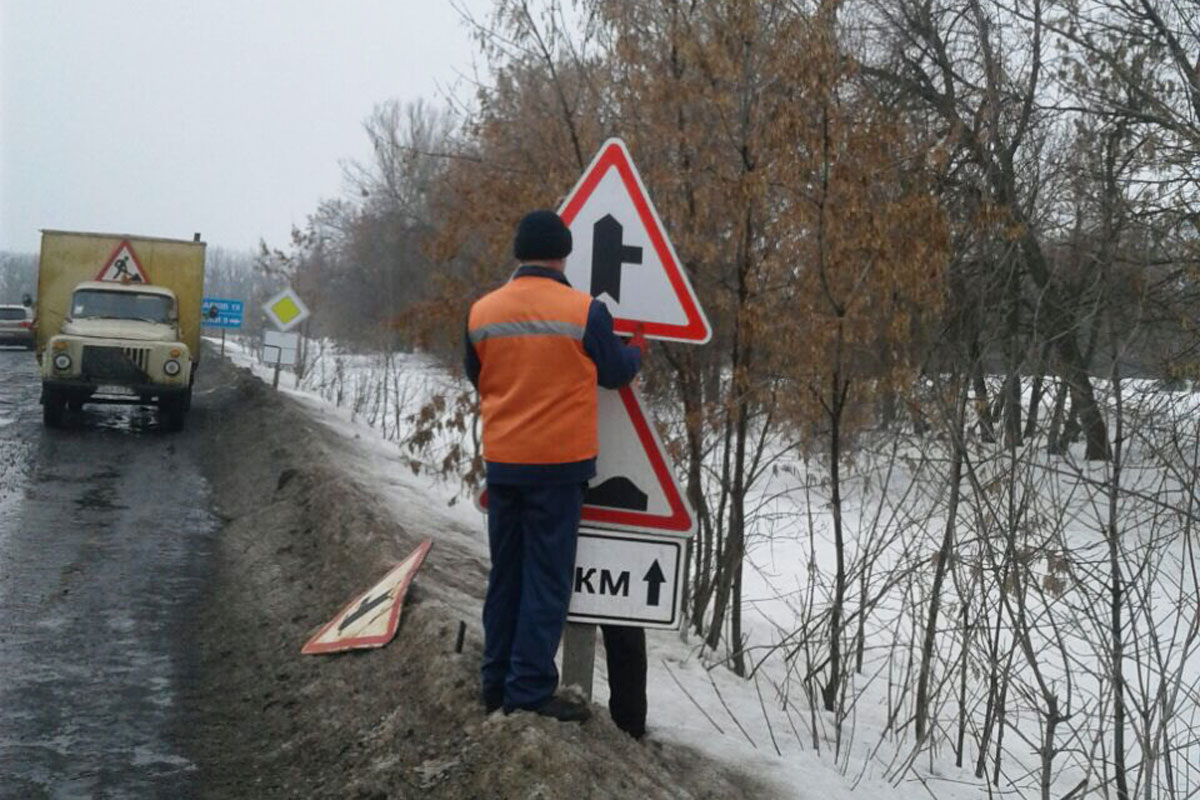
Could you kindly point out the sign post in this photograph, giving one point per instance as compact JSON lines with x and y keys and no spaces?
{"x":285,"y":311}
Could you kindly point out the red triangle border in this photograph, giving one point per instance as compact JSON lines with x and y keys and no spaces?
{"x":613,"y":155}
{"x":136,"y":261}
{"x":678,"y":520}
{"x":311,"y":647}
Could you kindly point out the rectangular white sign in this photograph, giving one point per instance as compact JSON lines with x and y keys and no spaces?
{"x":280,"y":348}
{"x":627,"y":579}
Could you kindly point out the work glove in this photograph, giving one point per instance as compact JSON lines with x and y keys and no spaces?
{"x":638,"y":340}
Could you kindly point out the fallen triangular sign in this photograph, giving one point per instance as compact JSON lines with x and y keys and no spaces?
{"x":371,"y":618}
{"x":635,"y":487}
{"x":123,"y":266}
{"x":622,"y":255}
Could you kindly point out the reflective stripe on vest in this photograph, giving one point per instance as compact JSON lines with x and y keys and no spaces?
{"x":526,"y":328}
{"x":537,"y":386}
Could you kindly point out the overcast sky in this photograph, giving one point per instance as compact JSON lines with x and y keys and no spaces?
{"x":227,"y":117}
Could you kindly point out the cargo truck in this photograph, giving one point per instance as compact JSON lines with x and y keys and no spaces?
{"x":118,"y":321}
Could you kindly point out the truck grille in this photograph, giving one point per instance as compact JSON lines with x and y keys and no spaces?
{"x":125,"y":364}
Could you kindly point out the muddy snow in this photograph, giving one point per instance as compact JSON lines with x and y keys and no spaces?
{"x":304,"y":529}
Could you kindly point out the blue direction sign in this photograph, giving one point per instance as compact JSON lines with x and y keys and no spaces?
{"x":218,"y":313}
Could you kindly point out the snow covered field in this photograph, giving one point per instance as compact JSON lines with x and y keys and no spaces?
{"x":1022,"y":645}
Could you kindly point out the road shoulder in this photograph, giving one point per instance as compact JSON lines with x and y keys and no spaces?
{"x":302,"y":534}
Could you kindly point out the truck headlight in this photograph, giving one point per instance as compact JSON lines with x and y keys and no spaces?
{"x":170,"y":367}
{"x":62,"y":361}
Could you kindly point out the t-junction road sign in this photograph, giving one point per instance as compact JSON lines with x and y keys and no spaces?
{"x":622,"y":255}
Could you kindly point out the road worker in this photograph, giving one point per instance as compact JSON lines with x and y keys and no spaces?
{"x":536,"y":350}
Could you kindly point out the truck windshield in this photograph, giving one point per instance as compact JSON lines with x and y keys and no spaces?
{"x":95,"y":303}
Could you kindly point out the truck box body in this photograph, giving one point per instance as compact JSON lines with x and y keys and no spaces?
{"x":69,"y":259}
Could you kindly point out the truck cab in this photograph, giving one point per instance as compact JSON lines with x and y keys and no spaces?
{"x":120,"y":343}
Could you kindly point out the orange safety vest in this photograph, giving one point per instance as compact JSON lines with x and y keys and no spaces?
{"x":536,"y":383}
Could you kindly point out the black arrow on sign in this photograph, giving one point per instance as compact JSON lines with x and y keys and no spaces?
{"x":364,"y":608}
{"x":654,"y":579}
{"x":609,"y":254}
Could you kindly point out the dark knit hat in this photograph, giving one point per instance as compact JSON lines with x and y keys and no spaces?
{"x":541,"y":236}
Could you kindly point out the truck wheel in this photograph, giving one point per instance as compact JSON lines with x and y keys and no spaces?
{"x":171,"y":413}
{"x":52,"y":411}
{"x":187,"y":399}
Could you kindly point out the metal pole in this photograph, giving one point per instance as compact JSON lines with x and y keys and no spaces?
{"x":222,"y":342}
{"x":275,"y":380}
{"x":686,"y":599}
{"x":579,"y":656}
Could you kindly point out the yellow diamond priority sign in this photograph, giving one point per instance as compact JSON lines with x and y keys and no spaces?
{"x":286,"y":310}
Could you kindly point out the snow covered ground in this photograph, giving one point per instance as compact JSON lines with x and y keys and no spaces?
{"x":895,"y":511}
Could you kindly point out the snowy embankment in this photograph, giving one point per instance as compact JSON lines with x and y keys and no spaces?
{"x":1049,"y":516}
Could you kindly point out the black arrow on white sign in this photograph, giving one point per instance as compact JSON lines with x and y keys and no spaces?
{"x":654,"y":579}
{"x":365,"y":607}
{"x":609,"y":254}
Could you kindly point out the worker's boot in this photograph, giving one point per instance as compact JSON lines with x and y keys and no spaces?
{"x":564,"y":710}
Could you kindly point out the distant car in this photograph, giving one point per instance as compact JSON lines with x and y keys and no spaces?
{"x":16,"y":326}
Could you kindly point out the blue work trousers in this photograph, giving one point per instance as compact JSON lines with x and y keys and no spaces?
{"x":532,"y":532}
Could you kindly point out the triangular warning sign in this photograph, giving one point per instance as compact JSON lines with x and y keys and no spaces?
{"x":371,"y":618}
{"x":123,"y":266}
{"x":635,"y":487}
{"x":622,"y":254}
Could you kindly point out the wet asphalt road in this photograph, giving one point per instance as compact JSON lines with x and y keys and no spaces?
{"x":105,"y":533}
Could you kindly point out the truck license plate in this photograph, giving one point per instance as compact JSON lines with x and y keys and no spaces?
{"x":123,"y":391}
